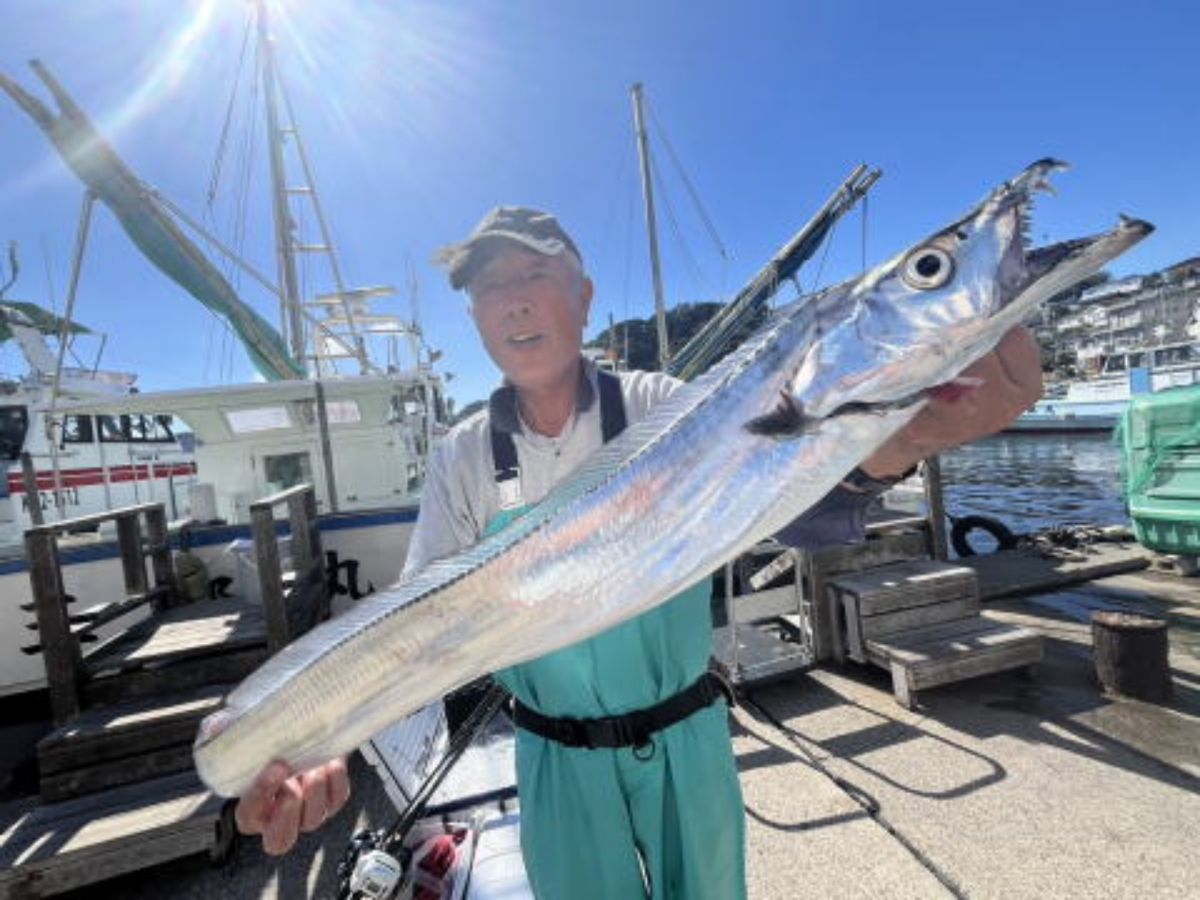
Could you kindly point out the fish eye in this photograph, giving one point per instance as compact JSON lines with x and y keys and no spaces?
{"x":927,"y":268}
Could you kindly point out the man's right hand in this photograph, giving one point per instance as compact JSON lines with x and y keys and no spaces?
{"x":281,"y":803}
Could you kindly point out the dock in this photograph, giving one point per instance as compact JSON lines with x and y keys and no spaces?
{"x":998,"y":787}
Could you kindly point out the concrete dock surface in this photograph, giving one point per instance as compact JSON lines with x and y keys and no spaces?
{"x":1001,"y":787}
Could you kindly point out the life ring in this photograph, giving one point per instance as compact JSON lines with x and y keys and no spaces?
{"x":962,"y":527}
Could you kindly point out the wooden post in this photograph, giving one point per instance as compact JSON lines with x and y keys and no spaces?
{"x":936,"y":508}
{"x":59,"y":649}
{"x":270,"y":579}
{"x":133,"y":564}
{"x":33,"y":499}
{"x":160,"y":558}
{"x":1130,"y":653}
{"x":301,"y":528}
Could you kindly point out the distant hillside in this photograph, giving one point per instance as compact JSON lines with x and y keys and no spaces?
{"x":683,"y":321}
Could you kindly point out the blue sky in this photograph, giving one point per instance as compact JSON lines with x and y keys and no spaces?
{"x":418,"y":117}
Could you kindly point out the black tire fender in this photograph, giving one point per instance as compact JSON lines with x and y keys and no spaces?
{"x":963,"y":526}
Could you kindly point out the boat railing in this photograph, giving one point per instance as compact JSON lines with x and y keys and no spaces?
{"x":295,"y":600}
{"x":141,"y":533}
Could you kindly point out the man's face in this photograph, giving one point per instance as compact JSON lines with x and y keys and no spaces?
{"x":530,"y":310}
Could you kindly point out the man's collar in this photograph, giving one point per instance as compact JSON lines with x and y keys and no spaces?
{"x":502,"y":405}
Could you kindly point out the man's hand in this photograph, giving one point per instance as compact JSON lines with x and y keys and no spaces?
{"x":280,"y":804}
{"x":1011,"y":377}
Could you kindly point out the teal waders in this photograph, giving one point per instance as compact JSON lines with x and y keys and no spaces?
{"x":664,"y":819}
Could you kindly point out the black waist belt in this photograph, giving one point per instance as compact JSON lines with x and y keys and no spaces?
{"x":631,"y":729}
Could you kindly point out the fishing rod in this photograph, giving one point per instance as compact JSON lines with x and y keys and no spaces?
{"x":374,"y":863}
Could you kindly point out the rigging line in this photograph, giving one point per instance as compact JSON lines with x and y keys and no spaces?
{"x":864,"y":232}
{"x":674,"y":223}
{"x":219,"y":157}
{"x":824,"y":253}
{"x":617,"y":182}
{"x":687,"y":183}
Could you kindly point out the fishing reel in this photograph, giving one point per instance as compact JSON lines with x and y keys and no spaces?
{"x":368,"y":872}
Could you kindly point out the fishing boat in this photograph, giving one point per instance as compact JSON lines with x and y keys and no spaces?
{"x":349,"y":400}
{"x":1097,"y":404}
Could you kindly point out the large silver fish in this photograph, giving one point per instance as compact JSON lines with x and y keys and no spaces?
{"x":726,"y":461}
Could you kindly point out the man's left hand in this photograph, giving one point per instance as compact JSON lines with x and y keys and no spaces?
{"x":1011,"y":381}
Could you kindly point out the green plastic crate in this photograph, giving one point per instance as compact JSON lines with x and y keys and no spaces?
{"x":1160,"y":458}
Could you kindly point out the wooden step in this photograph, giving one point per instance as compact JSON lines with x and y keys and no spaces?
{"x":897,"y":597}
{"x":61,"y":846}
{"x":954,"y":651}
{"x":205,"y":628}
{"x":119,"y":744}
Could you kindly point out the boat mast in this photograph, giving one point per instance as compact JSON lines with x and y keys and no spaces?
{"x":660,"y":310}
{"x":291,"y":317}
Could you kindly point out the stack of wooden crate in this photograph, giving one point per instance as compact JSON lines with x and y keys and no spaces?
{"x":920,"y":619}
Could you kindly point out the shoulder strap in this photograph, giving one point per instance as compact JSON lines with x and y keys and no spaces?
{"x":504,"y":448}
{"x":612,"y":405}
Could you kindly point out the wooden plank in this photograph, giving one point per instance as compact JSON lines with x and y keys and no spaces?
{"x":961,"y":628}
{"x":820,"y":566}
{"x":198,"y":629}
{"x":1015,"y":653}
{"x":60,"y":650}
{"x":64,"y":845}
{"x":102,"y":613}
{"x":83,"y":523}
{"x":161,"y":563}
{"x":874,"y":627}
{"x":68,"y":872}
{"x":179,"y":676}
{"x":123,"y":729}
{"x":935,"y":503}
{"x":302,"y":529}
{"x":1014,"y":572}
{"x":280,"y":497}
{"x":99,"y":776}
{"x":129,"y":545}
{"x":266,"y":550}
{"x":917,"y":577}
{"x":988,"y":635}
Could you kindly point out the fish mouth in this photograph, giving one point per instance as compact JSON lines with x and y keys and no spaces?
{"x":1028,"y":275}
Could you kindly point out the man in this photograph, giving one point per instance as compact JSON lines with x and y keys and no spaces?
{"x":615,"y":807}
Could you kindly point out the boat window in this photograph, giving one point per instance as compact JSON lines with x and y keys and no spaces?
{"x":78,"y":430}
{"x":262,"y":418}
{"x":1136,"y":359}
{"x":135,"y":428}
{"x":1173,"y":356}
{"x":151,"y":429}
{"x":14,"y":423}
{"x":112,"y":429}
{"x":286,"y":470}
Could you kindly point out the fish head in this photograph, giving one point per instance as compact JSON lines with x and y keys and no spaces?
{"x":917,"y":320}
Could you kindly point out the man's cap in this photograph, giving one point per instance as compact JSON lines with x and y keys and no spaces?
{"x":529,"y":228}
